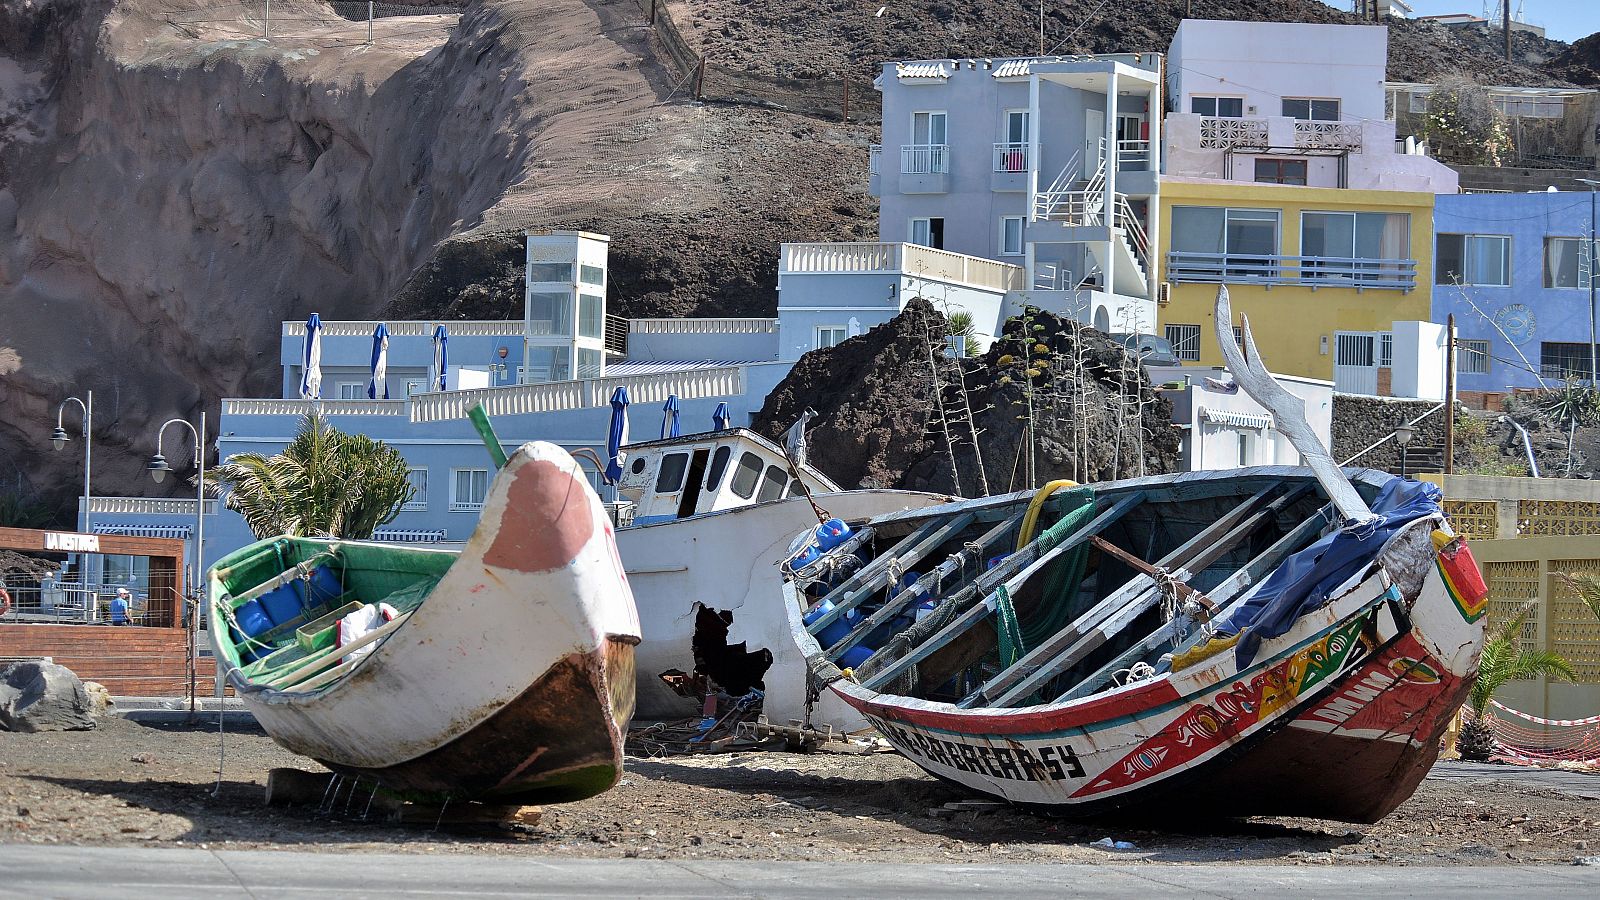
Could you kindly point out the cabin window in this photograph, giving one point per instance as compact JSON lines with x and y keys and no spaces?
{"x":468,"y":488}
{"x":719,"y":465}
{"x":797,"y":488}
{"x":746,"y":475}
{"x":773,"y":484}
{"x":670,"y":479}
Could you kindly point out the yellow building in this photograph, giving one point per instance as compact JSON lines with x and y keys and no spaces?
{"x":1321,"y":272}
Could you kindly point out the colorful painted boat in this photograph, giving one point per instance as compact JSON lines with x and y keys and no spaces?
{"x":504,"y":671}
{"x":1261,"y":641}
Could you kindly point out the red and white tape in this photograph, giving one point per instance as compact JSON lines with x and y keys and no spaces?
{"x":1592,"y":720}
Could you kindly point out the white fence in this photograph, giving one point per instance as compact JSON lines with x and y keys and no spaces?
{"x":925,"y":159}
{"x":1011,"y":158}
{"x":728,"y":381}
{"x":853,"y":257}
{"x":703,"y":326}
{"x":272,"y":406}
{"x":475,"y":328}
{"x":146,"y":506}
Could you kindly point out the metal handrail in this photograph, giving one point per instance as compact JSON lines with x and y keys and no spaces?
{"x":1011,"y":158}
{"x":924,"y":159}
{"x":1312,"y":271}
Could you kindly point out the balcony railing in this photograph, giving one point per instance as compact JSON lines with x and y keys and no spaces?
{"x":272,"y":406}
{"x":1133,"y":156}
{"x":726,"y":381}
{"x":703,"y":326}
{"x":1233,"y":134}
{"x":925,"y":159}
{"x":146,"y":506}
{"x":875,"y":159}
{"x":1011,"y":158}
{"x":852,"y":257}
{"x":1310,"y":271}
{"x":1327,"y":135}
{"x":477,"y":328}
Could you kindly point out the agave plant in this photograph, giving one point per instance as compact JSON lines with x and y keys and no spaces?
{"x":1504,"y":660}
{"x":326,"y":483}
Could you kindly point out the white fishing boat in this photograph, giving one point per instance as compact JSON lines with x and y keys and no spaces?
{"x":503,"y":671}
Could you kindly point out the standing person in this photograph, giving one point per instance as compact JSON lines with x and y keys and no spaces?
{"x":119,"y":607}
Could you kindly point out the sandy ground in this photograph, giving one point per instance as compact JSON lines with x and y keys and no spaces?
{"x":134,"y":784}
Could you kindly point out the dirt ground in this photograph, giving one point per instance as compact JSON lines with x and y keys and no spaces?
{"x":127,"y":783}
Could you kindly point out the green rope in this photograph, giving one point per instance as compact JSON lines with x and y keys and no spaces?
{"x":1066,"y":574}
{"x":1011,"y":645}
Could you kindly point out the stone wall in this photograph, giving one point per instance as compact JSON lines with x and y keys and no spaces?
{"x":1359,"y":422}
{"x":1507,"y":178}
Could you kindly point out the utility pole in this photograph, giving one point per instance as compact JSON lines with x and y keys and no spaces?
{"x":1450,"y":395}
{"x":369,"y":22}
{"x":1505,"y":20}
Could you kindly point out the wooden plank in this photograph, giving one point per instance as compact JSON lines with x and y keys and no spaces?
{"x":332,"y":655}
{"x":1026,"y":672}
{"x":1028,"y":560}
{"x":870,"y":585}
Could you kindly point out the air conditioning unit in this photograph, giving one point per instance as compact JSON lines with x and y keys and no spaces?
{"x":1164,"y":293}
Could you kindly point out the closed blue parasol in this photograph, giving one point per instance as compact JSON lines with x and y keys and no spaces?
{"x":617,"y":436}
{"x":311,"y":360}
{"x":441,"y":337}
{"x":669,"y":418}
{"x":719,"y":418}
{"x":378,"y":387}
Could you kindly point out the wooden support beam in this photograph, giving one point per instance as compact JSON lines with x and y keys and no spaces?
{"x":1224,"y":595}
{"x":283,"y":680}
{"x":927,"y":582}
{"x":1012,"y":571}
{"x":1088,"y":631}
{"x":867,"y":586}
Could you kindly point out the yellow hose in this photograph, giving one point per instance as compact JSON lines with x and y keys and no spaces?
{"x":1030,"y":519}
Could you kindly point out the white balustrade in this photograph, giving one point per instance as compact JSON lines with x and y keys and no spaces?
{"x":852,"y":257}
{"x":703,"y":326}
{"x":475,"y":328}
{"x":272,"y":406}
{"x":1011,"y":158}
{"x":925,"y":159}
{"x":726,"y":381}
{"x":146,"y":506}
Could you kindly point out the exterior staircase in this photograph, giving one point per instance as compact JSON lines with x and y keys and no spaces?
{"x":1081,"y":202}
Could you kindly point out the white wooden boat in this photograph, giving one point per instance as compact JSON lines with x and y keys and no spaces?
{"x":506,"y":672}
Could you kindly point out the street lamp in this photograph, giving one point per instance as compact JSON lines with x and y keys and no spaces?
{"x":1403,"y":433}
{"x":59,"y":440}
{"x":1594,"y":371}
{"x":158,"y":469}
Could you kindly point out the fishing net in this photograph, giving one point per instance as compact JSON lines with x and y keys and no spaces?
{"x":1528,"y":738}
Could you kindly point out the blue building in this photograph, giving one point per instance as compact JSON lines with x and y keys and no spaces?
{"x":1513,"y":270}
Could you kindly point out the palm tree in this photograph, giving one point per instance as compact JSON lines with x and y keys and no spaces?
{"x":1504,"y":660}
{"x":326,"y":483}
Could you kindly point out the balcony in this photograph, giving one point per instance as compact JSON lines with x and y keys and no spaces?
{"x":271,"y":406}
{"x":592,"y":393}
{"x":1010,"y":167}
{"x":1306,"y":271}
{"x":860,"y":257}
{"x":924,"y":168}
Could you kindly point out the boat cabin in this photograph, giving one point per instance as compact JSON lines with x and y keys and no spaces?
{"x":676,"y":478}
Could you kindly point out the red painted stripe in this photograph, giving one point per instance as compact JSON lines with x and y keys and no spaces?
{"x":1088,"y":711}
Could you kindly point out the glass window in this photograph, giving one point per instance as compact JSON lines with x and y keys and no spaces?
{"x":773,"y":484}
{"x":1217,"y":107}
{"x":468,"y":489}
{"x":591,"y":316}
{"x":550,"y":312}
{"x":352,"y":391}
{"x":1480,"y":259}
{"x":745,"y":476}
{"x":561,"y":272}
{"x":1016,"y":126}
{"x":1472,"y":357}
{"x":589,"y":362}
{"x":1345,"y":242}
{"x":1311,"y":110}
{"x":1281,"y":171}
{"x":831,"y":335}
{"x":929,"y":232}
{"x":1564,"y":360}
{"x":1010,"y":235}
{"x":928,"y":128}
{"x":419,"y":487}
{"x":1385,"y":349}
{"x":592,"y":274}
{"x":1561,"y":262}
{"x":1244,"y":448}
{"x":1185,"y":341}
{"x":797,"y":488}
{"x":719,"y":465}
{"x":1252,"y":234}
{"x":1210,"y":232}
{"x":545,"y":364}
{"x":670,"y":479}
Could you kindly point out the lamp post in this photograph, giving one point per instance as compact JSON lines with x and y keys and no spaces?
{"x":1594,"y":371}
{"x":1403,"y":433}
{"x":158,"y":469}
{"x":59,"y":439}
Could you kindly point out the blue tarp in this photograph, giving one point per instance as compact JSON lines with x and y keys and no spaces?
{"x":1305,"y":579}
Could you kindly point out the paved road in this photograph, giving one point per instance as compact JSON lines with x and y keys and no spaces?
{"x":70,"y":872}
{"x":1577,"y":784}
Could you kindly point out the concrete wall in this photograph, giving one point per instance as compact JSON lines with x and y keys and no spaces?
{"x":757,"y":346}
{"x":1217,"y":444}
{"x":809,"y":300}
{"x":1419,"y":361}
{"x":1266,"y":61}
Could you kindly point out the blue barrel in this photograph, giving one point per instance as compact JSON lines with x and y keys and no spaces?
{"x":832,"y":533}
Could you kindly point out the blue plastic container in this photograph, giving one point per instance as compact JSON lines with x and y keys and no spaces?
{"x":324,"y":587}
{"x":832,"y":533}
{"x":836,"y":631}
{"x":807,"y":555}
{"x":281,"y":605}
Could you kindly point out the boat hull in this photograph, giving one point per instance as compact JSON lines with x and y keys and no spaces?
{"x":512,"y":680}
{"x":1339,"y":718}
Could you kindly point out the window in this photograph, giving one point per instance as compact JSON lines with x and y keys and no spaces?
{"x":1564,"y":360}
{"x":929,"y":232}
{"x":1385,"y":349}
{"x":468,"y":488}
{"x":589,"y":362}
{"x":928,"y":128}
{"x":592,"y":274}
{"x":1010,"y":235}
{"x":559,"y":272}
{"x":591,"y":316}
{"x":352,"y":391}
{"x":1281,"y":171}
{"x":419,"y":487}
{"x":1244,"y":448}
{"x":1185,"y":341}
{"x":797,"y":488}
{"x":1472,"y":357}
{"x":773,"y":484}
{"x":550,"y":312}
{"x":669,"y":480}
{"x":1311,"y":110}
{"x":745,"y":476}
{"x":1529,"y":108}
{"x":545,"y":364}
{"x":1482,"y":259}
{"x":831,"y":335}
{"x":1016,"y":126}
{"x":1247,"y":238}
{"x":1563,"y":260}
{"x":1217,"y":107}
{"x":1418,"y":102}
{"x":719,"y":465}
{"x":1351,"y":244}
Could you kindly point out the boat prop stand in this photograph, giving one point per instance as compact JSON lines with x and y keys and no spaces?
{"x":1028,"y":560}
{"x":1090,"y":630}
